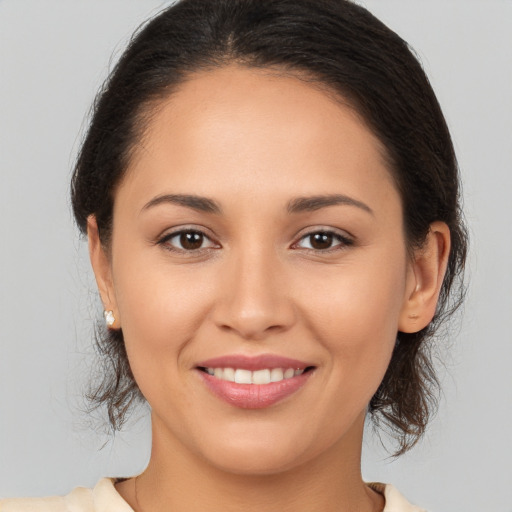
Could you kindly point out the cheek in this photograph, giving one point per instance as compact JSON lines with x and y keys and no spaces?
{"x":161,"y":307}
{"x":355,"y":315}
{"x":360,"y":295}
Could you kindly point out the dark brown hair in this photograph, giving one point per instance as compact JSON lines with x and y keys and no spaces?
{"x":336,"y":44}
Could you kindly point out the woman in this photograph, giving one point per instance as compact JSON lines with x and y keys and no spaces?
{"x":271,"y":199}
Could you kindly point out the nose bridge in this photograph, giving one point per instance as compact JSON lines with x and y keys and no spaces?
{"x":255,"y":299}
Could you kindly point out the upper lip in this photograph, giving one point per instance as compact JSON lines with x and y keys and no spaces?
{"x":253,"y":363}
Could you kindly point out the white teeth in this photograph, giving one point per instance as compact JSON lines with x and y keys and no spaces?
{"x":243,"y":377}
{"x":229,"y":374}
{"x":289,"y":373}
{"x":261,"y":377}
{"x":276,"y":374}
{"x":265,"y":376}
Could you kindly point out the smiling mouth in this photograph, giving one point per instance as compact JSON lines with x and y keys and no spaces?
{"x":258,"y":377}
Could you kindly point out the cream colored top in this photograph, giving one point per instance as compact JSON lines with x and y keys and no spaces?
{"x":105,"y":498}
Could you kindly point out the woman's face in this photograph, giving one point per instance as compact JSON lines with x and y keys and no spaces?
{"x":258,"y":221}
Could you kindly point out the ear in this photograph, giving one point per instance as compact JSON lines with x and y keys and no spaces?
{"x":102,"y":270}
{"x":424,"y":279}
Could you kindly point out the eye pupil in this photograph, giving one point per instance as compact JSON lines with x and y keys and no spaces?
{"x":321,"y":240}
{"x":191,"y":240}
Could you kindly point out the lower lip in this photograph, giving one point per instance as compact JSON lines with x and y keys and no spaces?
{"x":254,"y":396}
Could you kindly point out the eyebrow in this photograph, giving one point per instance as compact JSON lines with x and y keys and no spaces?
{"x":311,"y":203}
{"x":296,"y":205}
{"x":202,"y":204}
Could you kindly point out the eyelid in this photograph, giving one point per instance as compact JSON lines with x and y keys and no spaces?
{"x":168,"y":235}
{"x":343,"y":237}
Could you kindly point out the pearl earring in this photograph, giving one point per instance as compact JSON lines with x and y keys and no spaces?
{"x":109,"y":317}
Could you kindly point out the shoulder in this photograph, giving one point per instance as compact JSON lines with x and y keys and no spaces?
{"x":81,"y":499}
{"x":395,"y":502}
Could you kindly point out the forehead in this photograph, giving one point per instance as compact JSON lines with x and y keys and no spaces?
{"x":243,"y":127}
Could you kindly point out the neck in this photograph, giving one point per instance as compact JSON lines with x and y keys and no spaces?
{"x":175,"y":479}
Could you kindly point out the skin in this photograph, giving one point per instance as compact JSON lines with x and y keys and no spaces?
{"x":252,"y":141}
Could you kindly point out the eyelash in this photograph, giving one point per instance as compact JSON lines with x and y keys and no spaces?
{"x":344,"y":241}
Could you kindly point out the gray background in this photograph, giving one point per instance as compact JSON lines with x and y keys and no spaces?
{"x":53,"y":57}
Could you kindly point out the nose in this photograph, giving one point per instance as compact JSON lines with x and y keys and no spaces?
{"x":255,"y":299}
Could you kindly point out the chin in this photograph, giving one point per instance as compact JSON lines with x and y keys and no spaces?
{"x":262,"y":451}
{"x":263,"y":461}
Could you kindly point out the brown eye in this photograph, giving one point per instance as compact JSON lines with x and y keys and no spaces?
{"x":186,"y":241}
{"x":191,"y":240}
{"x":321,"y":240}
{"x":324,"y":241}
